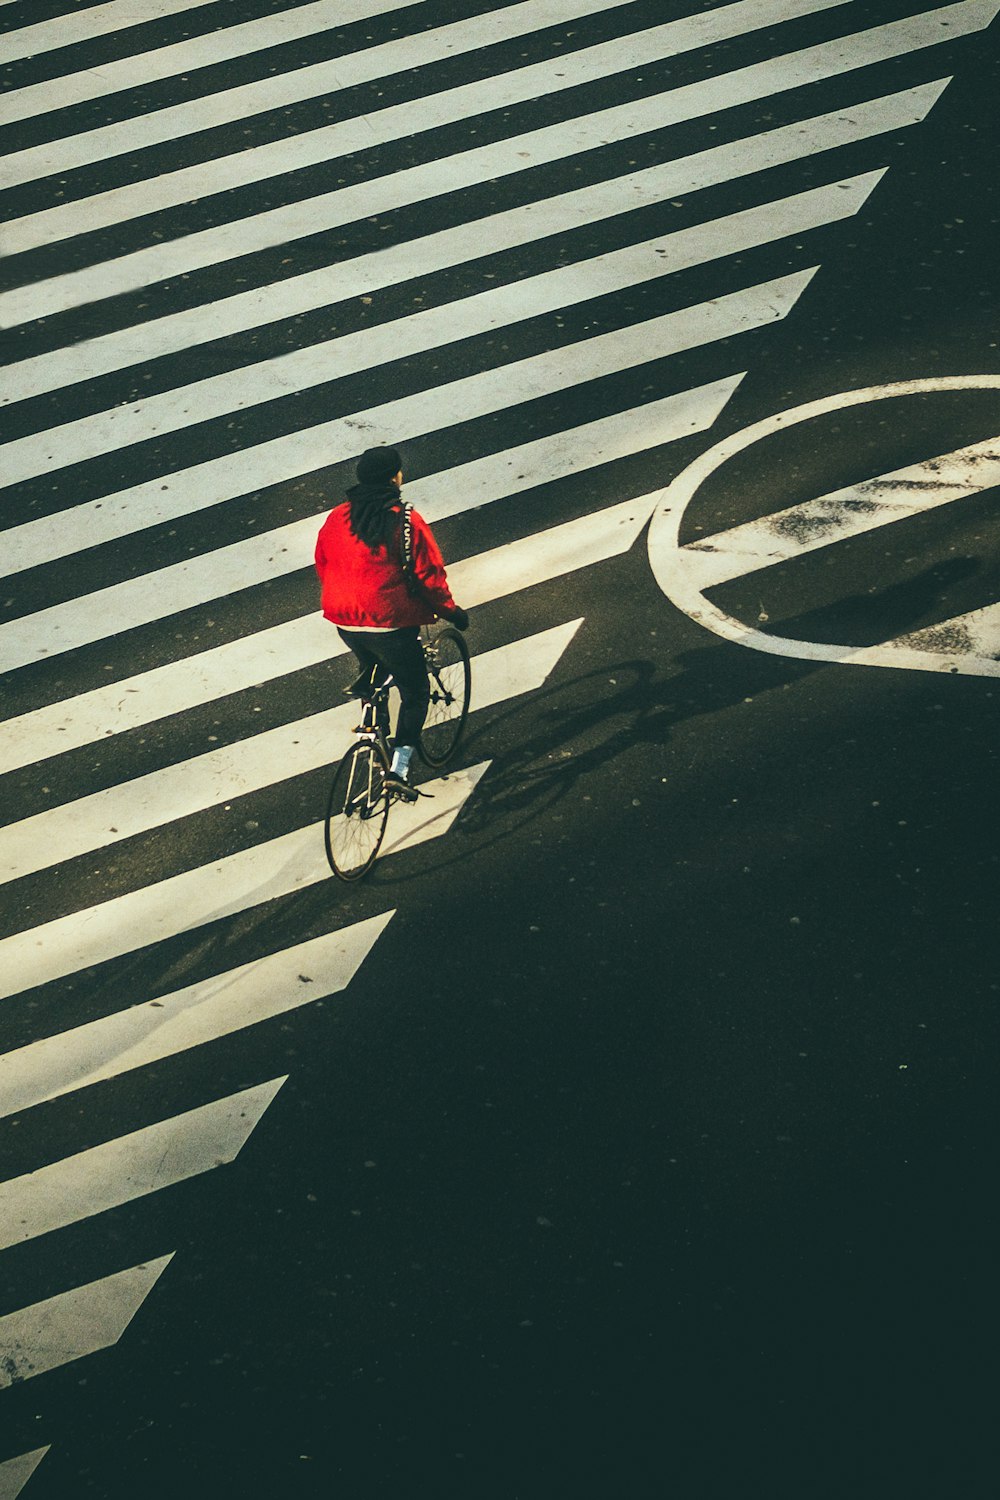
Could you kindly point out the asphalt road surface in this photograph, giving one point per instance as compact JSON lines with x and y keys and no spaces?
{"x":629,"y":1131}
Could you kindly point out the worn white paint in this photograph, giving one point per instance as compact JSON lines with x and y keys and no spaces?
{"x":552,"y":143}
{"x":15,"y":1472}
{"x":431,"y":253}
{"x":130,"y":1166}
{"x":151,"y":1030}
{"x":248,"y":765}
{"x":965,"y":645}
{"x":211,"y":483}
{"x":318,"y":147}
{"x":73,"y":1324}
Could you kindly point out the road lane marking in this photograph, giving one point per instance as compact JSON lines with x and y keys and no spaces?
{"x":464,"y":243}
{"x":73,"y":1324}
{"x":517,"y":155}
{"x":183,"y":903}
{"x":501,"y":308}
{"x":189,"y":55}
{"x":323,"y":79}
{"x":249,"y":765}
{"x":84,"y":25}
{"x":290,"y":457}
{"x":328,"y":143}
{"x":189,"y":1017}
{"x":266,"y":654}
{"x":15,"y":1472}
{"x":245,"y":880}
{"x":844,"y":513}
{"x":131,"y":1166}
{"x":962,"y":645}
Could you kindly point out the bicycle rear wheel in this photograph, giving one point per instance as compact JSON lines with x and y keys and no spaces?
{"x":356,"y":811}
{"x":450,"y":674}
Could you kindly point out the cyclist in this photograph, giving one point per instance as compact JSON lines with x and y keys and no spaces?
{"x":378,"y":598}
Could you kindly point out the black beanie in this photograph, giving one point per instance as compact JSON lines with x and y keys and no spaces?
{"x":378,"y":464}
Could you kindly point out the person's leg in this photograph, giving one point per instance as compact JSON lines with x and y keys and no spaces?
{"x":401,"y":653}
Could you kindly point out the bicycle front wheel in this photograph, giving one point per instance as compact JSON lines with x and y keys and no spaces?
{"x":356,"y":811}
{"x":450,"y":674}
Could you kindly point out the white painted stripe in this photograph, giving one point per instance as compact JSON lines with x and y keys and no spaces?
{"x":83,"y":25}
{"x":241,"y":881}
{"x":130,"y":1166}
{"x":960,"y":645}
{"x":15,"y":1472}
{"x":189,"y":1017}
{"x":201,"y":52}
{"x":297,"y":643}
{"x":353,"y":353}
{"x":416,"y":184}
{"x":328,"y":78}
{"x":306,"y":744}
{"x":320,"y":147}
{"x":73,"y":1324}
{"x":235,"y":884}
{"x":843,"y":513}
{"x":299,"y":453}
{"x":456,"y":246}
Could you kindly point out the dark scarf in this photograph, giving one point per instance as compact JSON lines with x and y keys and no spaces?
{"x":372,"y":519}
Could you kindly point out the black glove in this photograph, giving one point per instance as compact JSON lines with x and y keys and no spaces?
{"x":459,"y":618}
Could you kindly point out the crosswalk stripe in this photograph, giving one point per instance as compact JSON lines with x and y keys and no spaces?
{"x":516,"y":155}
{"x":189,"y":1017}
{"x":297,"y":643}
{"x":256,"y":164}
{"x":189,"y":55}
{"x":321,"y":79}
{"x":73,"y":1324}
{"x":237,"y":883}
{"x":248,"y":765}
{"x":15,"y":1472}
{"x":84,"y":25}
{"x":841,"y":514}
{"x":131,"y":1166}
{"x":224,"y":478}
{"x":450,"y":247}
{"x":351,"y":354}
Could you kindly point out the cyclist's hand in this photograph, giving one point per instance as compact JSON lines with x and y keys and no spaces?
{"x":459,"y":618}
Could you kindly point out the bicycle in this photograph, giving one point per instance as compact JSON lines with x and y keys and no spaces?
{"x":357,"y":808}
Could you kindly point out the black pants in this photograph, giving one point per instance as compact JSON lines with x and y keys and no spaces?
{"x":398,"y":652}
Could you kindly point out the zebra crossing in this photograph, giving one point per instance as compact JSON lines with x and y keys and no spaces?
{"x":527,"y":244}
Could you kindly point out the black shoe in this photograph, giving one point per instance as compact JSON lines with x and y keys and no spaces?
{"x":396,"y":787}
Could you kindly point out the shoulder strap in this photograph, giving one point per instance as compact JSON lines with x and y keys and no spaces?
{"x":406,"y":547}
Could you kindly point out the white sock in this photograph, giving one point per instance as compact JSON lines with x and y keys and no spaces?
{"x":400,"y":764}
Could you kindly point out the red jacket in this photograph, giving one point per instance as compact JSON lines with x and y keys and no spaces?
{"x":366,"y":588}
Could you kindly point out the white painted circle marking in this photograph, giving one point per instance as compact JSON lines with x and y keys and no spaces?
{"x":672,"y":564}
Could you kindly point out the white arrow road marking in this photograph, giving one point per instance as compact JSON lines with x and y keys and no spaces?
{"x":431,"y":253}
{"x":502,"y":307}
{"x":191,"y":786}
{"x":315,"y":82}
{"x":325,"y":145}
{"x":241,"y":881}
{"x":15,"y":1473}
{"x":187,"y":56}
{"x":131,"y":1166}
{"x":73,"y":1324}
{"x":189,"y":1017}
{"x":965,"y":645}
{"x":516,"y":155}
{"x":299,"y":643}
{"x":219,"y":479}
